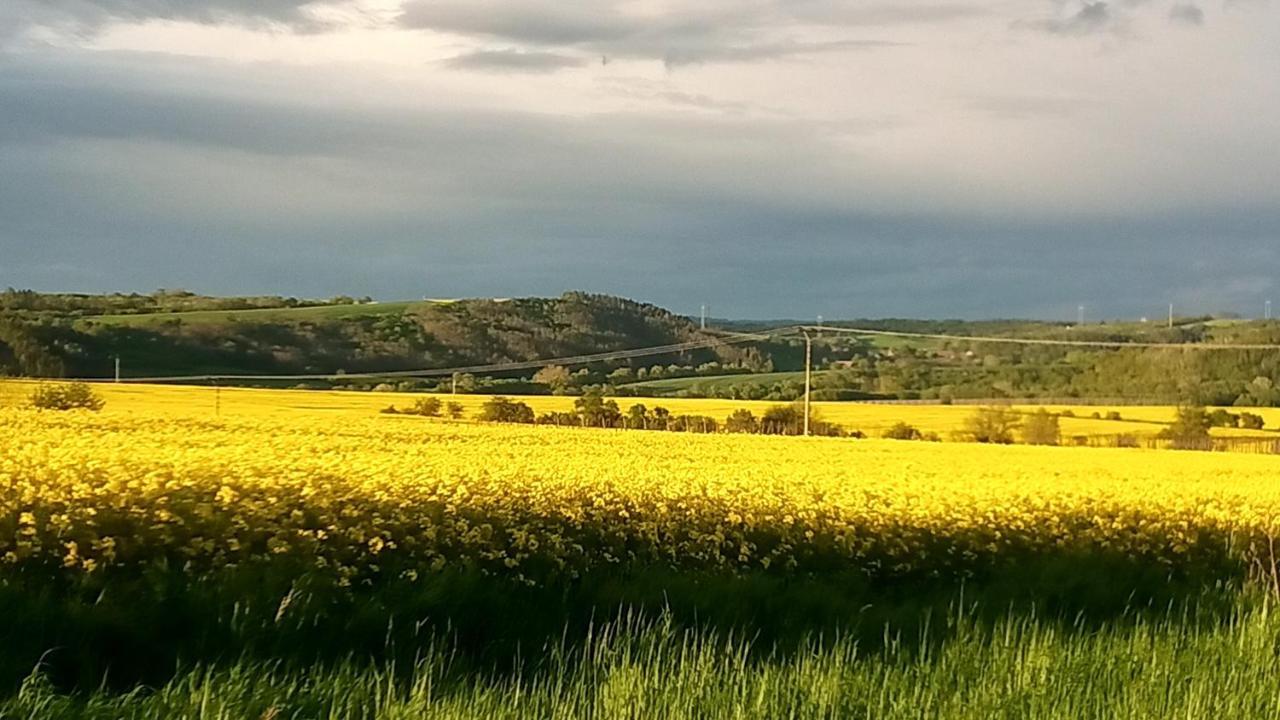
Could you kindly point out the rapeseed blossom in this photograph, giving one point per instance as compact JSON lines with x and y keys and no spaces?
{"x":362,"y":499}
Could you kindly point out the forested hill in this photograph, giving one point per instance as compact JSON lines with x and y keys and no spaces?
{"x":54,"y":335}
{"x":179,"y":333}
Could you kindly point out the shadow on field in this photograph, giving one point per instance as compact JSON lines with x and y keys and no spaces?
{"x":128,"y":631}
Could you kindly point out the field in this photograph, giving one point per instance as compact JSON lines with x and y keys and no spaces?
{"x":297,"y":314}
{"x":872,"y":419}
{"x":256,"y":553}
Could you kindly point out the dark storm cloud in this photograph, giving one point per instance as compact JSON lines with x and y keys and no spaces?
{"x":503,"y":61}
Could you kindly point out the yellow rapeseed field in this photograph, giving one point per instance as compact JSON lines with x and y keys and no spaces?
{"x":357,"y":497}
{"x":872,"y":419}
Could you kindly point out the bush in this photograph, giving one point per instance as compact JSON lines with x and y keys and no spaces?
{"x":991,"y":425}
{"x":67,"y":396}
{"x":1114,"y":415}
{"x":1222,"y":418}
{"x":426,"y":407}
{"x":783,"y":420}
{"x":1251,"y":421}
{"x":1041,"y":428}
{"x":501,"y":409}
{"x":902,"y":431}
{"x":453,"y":410}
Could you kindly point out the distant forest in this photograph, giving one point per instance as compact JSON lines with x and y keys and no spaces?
{"x":80,"y":335}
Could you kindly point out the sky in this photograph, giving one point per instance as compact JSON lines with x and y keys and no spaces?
{"x":767,"y":158}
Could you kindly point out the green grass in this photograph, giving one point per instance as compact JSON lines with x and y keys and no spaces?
{"x":214,"y":317}
{"x":1176,"y":664}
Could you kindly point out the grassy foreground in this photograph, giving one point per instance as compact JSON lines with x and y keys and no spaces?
{"x":1175,"y":664}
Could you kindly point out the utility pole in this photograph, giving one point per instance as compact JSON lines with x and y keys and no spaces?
{"x":1170,"y":315}
{"x":454,"y":391}
{"x":1079,"y":314}
{"x":808,"y":364}
{"x":1267,"y":311}
{"x":117,"y":368}
{"x":704,"y":316}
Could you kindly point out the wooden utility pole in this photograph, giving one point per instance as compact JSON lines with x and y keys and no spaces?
{"x":117,"y":368}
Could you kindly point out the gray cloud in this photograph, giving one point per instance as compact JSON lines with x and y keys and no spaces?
{"x":527,"y":21}
{"x":710,"y":32}
{"x":510,"y":60}
{"x":140,"y":172}
{"x":1188,"y":14}
{"x":1091,"y":17}
{"x":88,"y":16}
{"x":695,"y":55}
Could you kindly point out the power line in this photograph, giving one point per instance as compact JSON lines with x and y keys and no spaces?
{"x":1046,"y":341}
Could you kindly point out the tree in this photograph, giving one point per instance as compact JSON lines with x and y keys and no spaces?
{"x":621,"y":376}
{"x":501,"y":409}
{"x":637,"y":417}
{"x":991,"y":425}
{"x":742,"y":420}
{"x":595,"y":411}
{"x":464,"y":382}
{"x":1189,"y":430}
{"x":1041,"y":428}
{"x":556,"y":377}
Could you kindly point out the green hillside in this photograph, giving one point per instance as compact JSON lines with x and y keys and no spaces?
{"x":52,"y":335}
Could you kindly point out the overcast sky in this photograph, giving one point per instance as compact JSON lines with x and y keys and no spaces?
{"x":769,"y":158}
